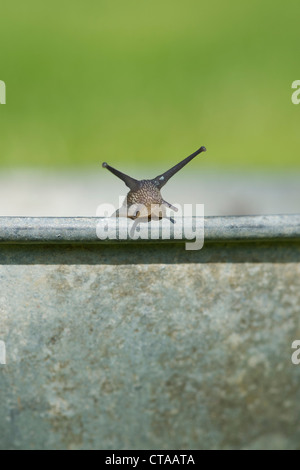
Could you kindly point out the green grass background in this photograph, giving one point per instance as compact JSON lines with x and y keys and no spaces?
{"x":137,"y":82}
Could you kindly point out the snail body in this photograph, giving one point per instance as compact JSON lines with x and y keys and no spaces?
{"x":144,"y":199}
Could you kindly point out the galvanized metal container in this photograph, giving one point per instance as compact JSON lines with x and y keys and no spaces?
{"x":123,"y":344}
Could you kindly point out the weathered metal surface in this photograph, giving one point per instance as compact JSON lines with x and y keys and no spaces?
{"x":127,"y":346}
{"x":84,"y":229}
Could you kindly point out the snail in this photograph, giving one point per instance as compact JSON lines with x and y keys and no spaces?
{"x":144,"y":199}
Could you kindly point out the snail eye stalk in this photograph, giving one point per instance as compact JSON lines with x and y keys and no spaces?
{"x":161,"y":180}
{"x":131,"y":183}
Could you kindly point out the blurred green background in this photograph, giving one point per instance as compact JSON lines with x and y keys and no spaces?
{"x":135,"y":82}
